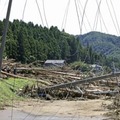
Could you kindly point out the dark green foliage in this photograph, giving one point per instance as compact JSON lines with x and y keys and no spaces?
{"x":106,"y":44}
{"x":78,"y":65}
{"x":27,"y":42}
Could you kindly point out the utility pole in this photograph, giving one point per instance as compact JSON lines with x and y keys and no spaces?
{"x":5,"y":33}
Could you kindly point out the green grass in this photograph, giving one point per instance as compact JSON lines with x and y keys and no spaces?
{"x":9,"y":88}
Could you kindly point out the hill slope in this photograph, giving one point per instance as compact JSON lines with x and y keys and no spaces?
{"x":106,"y":44}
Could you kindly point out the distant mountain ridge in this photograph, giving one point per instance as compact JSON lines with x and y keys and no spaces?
{"x":106,"y":44}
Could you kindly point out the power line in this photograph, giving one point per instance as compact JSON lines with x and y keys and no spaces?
{"x":115,"y":16}
{"x":79,"y":10}
{"x":102,"y":20}
{"x":45,"y":13}
{"x":29,"y":112}
{"x":77,"y":14}
{"x":65,"y":16}
{"x":97,"y":15}
{"x":111,"y":16}
{"x":83,"y":16}
{"x":39,"y":12}
{"x":24,"y":9}
{"x":100,"y":15}
{"x":12,"y":100}
{"x":4,"y":6}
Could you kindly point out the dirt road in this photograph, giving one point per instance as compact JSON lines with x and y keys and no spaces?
{"x":56,"y":110}
{"x":88,"y":108}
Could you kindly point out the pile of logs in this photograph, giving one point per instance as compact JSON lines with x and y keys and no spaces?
{"x":75,"y":85}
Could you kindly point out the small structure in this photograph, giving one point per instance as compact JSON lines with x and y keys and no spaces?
{"x":97,"y":69}
{"x":54,"y":63}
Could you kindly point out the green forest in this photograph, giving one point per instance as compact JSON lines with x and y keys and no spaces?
{"x":27,"y":42}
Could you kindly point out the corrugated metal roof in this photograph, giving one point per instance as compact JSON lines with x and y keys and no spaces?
{"x":54,"y":61}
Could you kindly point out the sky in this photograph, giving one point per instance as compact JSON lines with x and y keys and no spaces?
{"x":105,"y":19}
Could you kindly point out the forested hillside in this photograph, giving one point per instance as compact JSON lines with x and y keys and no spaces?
{"x":106,"y":44}
{"x":27,"y":42}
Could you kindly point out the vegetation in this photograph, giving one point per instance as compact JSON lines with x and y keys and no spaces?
{"x":27,"y":42}
{"x":105,"y":44}
{"x":9,"y":88}
{"x":83,"y":67}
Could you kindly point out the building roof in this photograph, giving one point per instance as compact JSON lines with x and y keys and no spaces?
{"x":95,"y":65}
{"x":54,"y":61}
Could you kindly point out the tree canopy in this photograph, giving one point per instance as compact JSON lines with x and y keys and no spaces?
{"x":27,"y":42}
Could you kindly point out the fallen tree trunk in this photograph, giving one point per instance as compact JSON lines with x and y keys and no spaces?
{"x":74,"y":83}
{"x":12,"y":75}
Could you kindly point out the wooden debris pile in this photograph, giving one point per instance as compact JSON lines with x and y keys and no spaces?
{"x":114,"y":108}
{"x":93,"y":90}
{"x":48,"y":77}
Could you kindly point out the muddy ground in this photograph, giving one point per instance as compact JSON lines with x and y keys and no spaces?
{"x":60,"y":109}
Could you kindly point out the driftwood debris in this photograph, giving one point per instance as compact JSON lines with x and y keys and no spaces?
{"x":63,"y":84}
{"x":12,"y":75}
{"x":87,"y":80}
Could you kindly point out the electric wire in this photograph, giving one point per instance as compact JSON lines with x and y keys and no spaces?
{"x":24,"y":9}
{"x":111,"y":16}
{"x":80,"y":6}
{"x":75,"y":111}
{"x":12,"y":101}
{"x":100,"y":16}
{"x":2,"y":95}
{"x":12,"y":112}
{"x":15,"y":87}
{"x":96,"y":19}
{"x":65,"y":16}
{"x":55,"y":113}
{"x":34,"y":106}
{"x":31,"y":109}
{"x":83,"y":16}
{"x":102,"y":20}
{"x":4,"y":6}
{"x":60,"y":108}
{"x":77,"y":13}
{"x":115,"y":16}
{"x":39,"y":12}
{"x":66,"y":19}
{"x":41,"y":107}
{"x":29,"y":112}
{"x":97,"y":15}
{"x":80,"y":25}
{"x":84,"y":9}
{"x":95,"y":22}
{"x":100,"y":23}
{"x":45,"y":13}
{"x":40,"y":110}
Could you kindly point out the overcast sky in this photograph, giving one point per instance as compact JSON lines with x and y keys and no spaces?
{"x":94,"y":19}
